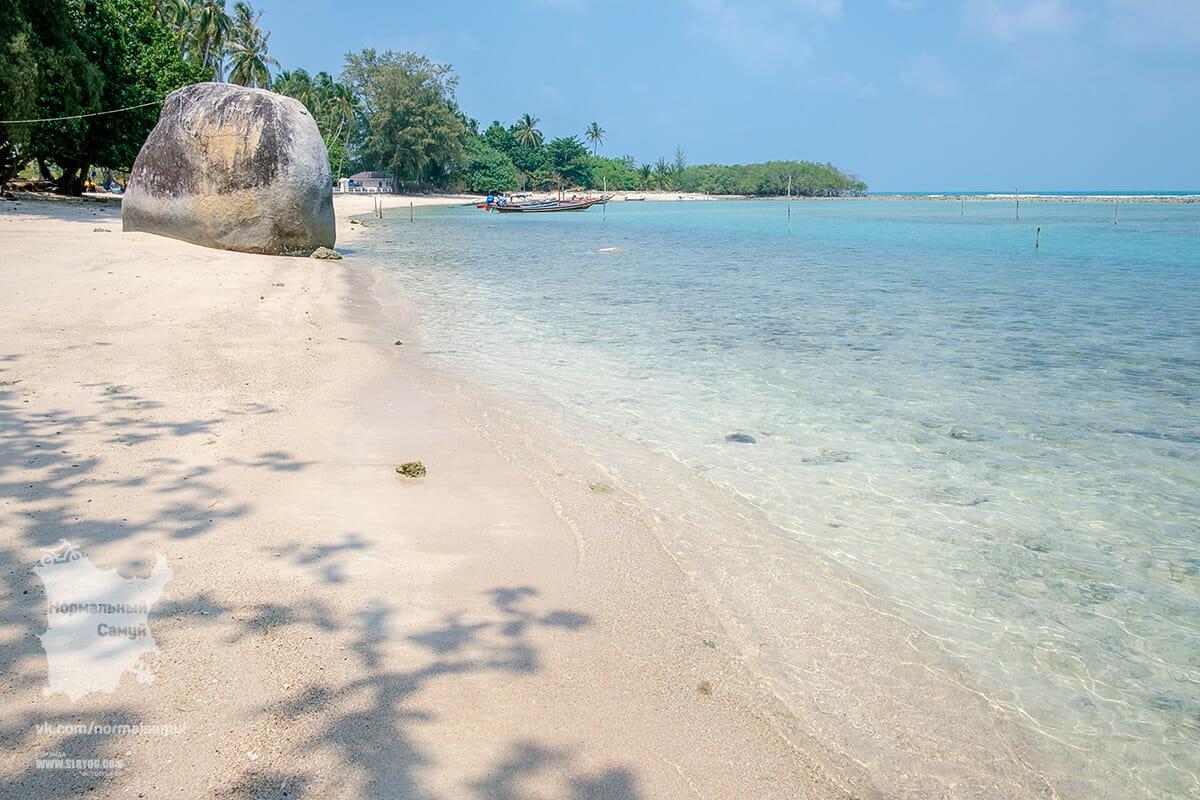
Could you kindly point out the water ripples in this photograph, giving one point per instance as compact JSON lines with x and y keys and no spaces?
{"x":1004,"y":441}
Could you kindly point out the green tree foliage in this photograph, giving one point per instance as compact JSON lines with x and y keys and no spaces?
{"x":562,"y":162}
{"x":525,"y":131}
{"x":499,"y":137}
{"x":246,"y":48}
{"x":98,"y":55}
{"x":412,"y":125}
{"x":523,"y":149}
{"x":335,"y":109}
{"x":614,"y":173}
{"x":487,"y":168}
{"x":595,"y":136}
{"x":663,"y":174}
{"x":808,"y":179}
{"x":218,"y":42}
{"x":568,"y":161}
{"x":205,"y":24}
{"x":645,"y":176}
{"x":43,"y":73}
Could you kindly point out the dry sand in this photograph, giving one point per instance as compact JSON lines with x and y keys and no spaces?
{"x":331,"y":630}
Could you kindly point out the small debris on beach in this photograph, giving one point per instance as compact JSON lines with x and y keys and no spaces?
{"x":741,"y":438}
{"x":705,"y":688}
{"x":411,"y":469}
{"x":277,"y":283}
{"x":101,"y":230}
{"x":397,"y":343}
{"x":326,"y":253}
{"x":599,"y":488}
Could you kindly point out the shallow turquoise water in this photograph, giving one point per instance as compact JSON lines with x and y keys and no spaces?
{"x":1004,"y":440}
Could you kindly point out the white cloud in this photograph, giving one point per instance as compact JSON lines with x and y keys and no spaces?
{"x":1007,"y":21}
{"x":760,"y":35}
{"x":928,"y":75}
{"x":1155,"y":22}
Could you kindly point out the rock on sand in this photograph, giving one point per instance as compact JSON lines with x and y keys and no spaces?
{"x":234,"y":168}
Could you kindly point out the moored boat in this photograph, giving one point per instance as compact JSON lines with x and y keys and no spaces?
{"x":555,"y":205}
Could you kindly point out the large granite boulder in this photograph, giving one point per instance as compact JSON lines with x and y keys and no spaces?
{"x":235,"y":168}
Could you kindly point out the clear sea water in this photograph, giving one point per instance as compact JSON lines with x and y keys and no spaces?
{"x":1004,"y":440}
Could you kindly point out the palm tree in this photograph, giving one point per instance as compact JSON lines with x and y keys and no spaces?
{"x":595,"y":135}
{"x":336,"y":103}
{"x":644,"y":174}
{"x":662,"y":173}
{"x":298,"y":84}
{"x":526,"y":132}
{"x":337,"y":111}
{"x":205,"y":28}
{"x":332,"y":104}
{"x":174,"y":13}
{"x":246,"y":46}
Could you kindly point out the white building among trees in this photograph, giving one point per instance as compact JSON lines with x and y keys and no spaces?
{"x":367,"y":182}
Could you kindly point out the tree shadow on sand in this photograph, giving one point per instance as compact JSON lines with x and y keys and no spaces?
{"x":52,"y":460}
{"x":367,"y":721}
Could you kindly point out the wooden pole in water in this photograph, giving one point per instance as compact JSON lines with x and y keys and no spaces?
{"x":789,"y":205}
{"x":1017,"y":192}
{"x":1037,"y":239}
{"x":410,"y":211}
{"x":962,"y":206}
{"x":1116,"y":211}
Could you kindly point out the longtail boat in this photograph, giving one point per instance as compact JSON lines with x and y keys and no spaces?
{"x":560,"y":205}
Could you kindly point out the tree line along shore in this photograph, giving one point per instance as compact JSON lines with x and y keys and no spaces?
{"x":66,"y":64}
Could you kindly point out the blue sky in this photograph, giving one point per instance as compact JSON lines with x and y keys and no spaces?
{"x":910,"y":94}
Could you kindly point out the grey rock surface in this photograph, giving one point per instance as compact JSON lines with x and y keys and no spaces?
{"x":234,"y":168}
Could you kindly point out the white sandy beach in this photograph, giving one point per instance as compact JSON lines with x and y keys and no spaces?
{"x":330,"y":626}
